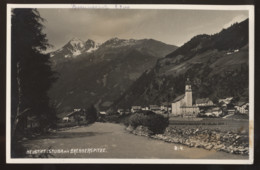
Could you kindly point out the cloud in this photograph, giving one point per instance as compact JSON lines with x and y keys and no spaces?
{"x":235,"y":19}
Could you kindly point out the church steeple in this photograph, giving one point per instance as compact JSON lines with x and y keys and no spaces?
{"x":188,"y":93}
{"x":188,"y":85}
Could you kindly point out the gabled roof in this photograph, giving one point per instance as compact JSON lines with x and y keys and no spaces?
{"x":136,"y":107}
{"x":241,"y":103}
{"x":178,"y":98}
{"x":70,"y":114}
{"x":202,"y":100}
{"x":216,"y":109}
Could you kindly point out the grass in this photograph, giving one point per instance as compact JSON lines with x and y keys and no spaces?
{"x":220,"y":124}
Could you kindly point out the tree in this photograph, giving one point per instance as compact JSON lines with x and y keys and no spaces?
{"x":31,"y":71}
{"x":91,"y":114}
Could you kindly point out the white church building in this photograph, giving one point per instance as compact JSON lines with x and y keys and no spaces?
{"x":182,"y":105}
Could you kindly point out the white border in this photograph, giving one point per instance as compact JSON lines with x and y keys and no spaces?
{"x":250,"y":8}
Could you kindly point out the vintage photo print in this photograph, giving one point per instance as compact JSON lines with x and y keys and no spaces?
{"x":153,"y":84}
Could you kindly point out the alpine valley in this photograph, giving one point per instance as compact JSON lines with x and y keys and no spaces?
{"x":122,"y":73}
{"x":98,"y":74}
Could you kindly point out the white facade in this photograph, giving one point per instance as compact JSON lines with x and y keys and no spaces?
{"x":243,"y":108}
{"x":183,"y":106}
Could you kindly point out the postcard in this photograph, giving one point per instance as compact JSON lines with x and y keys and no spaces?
{"x":121,"y":83}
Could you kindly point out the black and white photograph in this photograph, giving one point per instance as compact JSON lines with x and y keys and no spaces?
{"x":99,"y":83}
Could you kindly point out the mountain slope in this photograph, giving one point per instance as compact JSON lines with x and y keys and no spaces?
{"x":102,"y":75}
{"x":217,"y":65}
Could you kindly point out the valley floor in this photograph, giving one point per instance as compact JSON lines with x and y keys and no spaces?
{"x":108,"y":140}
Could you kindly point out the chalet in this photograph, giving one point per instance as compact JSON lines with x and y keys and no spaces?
{"x":102,"y":112}
{"x":204,"y":102}
{"x":216,"y":112}
{"x":145,"y":108}
{"x":76,"y":115}
{"x":135,"y":108}
{"x":154,"y":107}
{"x":231,"y":111}
{"x":233,"y":51}
{"x":121,"y":111}
{"x":226,"y":100}
{"x":165,"y":106}
{"x":242,"y":107}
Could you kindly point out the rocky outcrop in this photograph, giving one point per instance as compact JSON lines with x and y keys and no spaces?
{"x":230,"y":142}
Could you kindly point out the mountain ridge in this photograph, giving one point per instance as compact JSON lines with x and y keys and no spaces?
{"x":103,"y":75}
{"x":217,"y":65}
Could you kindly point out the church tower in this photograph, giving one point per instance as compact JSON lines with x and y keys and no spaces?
{"x":188,"y":93}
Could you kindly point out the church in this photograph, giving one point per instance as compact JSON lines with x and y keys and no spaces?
{"x":182,"y":105}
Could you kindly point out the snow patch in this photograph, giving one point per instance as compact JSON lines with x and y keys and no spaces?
{"x":92,"y":49}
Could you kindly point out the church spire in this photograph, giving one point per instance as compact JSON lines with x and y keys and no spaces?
{"x":188,"y":82}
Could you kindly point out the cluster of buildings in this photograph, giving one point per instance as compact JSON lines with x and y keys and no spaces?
{"x":184,"y":106}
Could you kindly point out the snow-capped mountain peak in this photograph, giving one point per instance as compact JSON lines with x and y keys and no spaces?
{"x":76,"y":42}
{"x":116,"y":42}
{"x":76,"y":47}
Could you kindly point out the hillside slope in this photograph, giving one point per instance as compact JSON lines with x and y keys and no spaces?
{"x":100,"y":76}
{"x":217,"y":65}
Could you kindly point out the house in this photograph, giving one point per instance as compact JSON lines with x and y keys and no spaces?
{"x":121,"y":111}
{"x":228,"y":53}
{"x":154,"y":107}
{"x":135,"y":108}
{"x":204,"y":102}
{"x":76,"y":115}
{"x":182,"y":105}
{"x":165,"y":106}
{"x":216,"y":111}
{"x":208,"y":113}
{"x":65,"y":119}
{"x":145,"y":108}
{"x":242,"y":107}
{"x":233,"y":51}
{"x":102,"y":112}
{"x":231,"y":111}
{"x":226,"y":100}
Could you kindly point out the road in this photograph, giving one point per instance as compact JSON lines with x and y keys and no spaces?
{"x":108,"y":140}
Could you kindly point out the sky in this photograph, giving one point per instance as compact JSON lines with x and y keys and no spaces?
{"x":170,"y":26}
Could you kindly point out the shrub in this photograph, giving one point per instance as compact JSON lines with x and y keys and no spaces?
{"x":112,"y":118}
{"x":155,"y":122}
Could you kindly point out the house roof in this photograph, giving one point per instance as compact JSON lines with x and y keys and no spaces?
{"x":153,"y":105}
{"x":70,"y":114}
{"x":136,"y":107}
{"x":202,"y":100}
{"x":178,"y":98}
{"x":216,"y":109}
{"x":241,"y":103}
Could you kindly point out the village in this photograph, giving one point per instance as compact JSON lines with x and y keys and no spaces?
{"x":181,"y":106}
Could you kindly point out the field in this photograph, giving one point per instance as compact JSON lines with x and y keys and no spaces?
{"x":224,"y":125}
